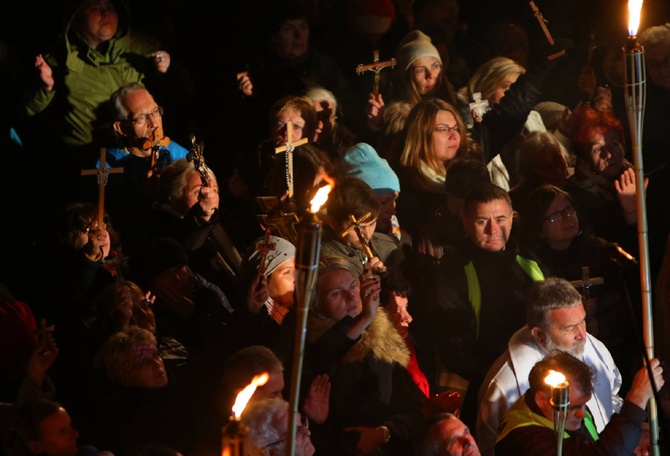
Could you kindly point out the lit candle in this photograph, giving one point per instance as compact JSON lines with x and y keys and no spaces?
{"x":233,"y":432}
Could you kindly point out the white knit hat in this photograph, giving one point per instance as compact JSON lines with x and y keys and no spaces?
{"x":415,"y":45}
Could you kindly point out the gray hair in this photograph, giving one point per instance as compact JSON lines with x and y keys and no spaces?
{"x":261,"y":418}
{"x":658,"y":34}
{"x":319,"y":93}
{"x":173,"y":180}
{"x":119,"y":110}
{"x":549,"y":294}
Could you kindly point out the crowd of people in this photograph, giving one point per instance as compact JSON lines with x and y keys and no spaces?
{"x":480,"y":229}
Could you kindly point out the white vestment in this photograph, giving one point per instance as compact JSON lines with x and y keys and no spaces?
{"x":507,"y":380}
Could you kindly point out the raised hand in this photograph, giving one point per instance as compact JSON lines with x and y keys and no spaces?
{"x":45,"y":72}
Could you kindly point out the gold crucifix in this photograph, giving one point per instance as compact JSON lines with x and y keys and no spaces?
{"x":543,"y":23}
{"x":586,"y":283}
{"x":356,"y":226}
{"x":103,"y":175}
{"x":281,"y":221}
{"x":289,"y":147}
{"x":375,"y":66}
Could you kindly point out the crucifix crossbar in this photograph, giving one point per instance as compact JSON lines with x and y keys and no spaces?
{"x":289,"y":147}
{"x":543,"y":23}
{"x":157,"y":140}
{"x":375,"y":66}
{"x":586,"y":282}
{"x":103,"y":175}
{"x":356,"y":226}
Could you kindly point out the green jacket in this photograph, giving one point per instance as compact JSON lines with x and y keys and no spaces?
{"x":84,"y":78}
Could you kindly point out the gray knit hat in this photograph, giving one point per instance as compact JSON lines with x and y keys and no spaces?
{"x":283,"y":251}
{"x":415,"y":45}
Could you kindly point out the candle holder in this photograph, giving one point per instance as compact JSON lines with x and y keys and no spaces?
{"x":308,"y":251}
{"x":560,"y":401}
{"x":635,"y":93}
{"x":232,"y":438}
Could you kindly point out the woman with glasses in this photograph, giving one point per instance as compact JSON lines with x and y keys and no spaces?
{"x":597,"y":268}
{"x":434,"y":136}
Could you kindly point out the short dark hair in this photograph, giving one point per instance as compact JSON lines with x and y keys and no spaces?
{"x":484,"y":193}
{"x":549,"y":294}
{"x":351,"y":196}
{"x":576,"y":372}
{"x":25,"y":425}
{"x":463,"y":174}
{"x":393,"y":281}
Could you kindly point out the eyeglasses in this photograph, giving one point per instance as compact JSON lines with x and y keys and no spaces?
{"x":446,"y":128}
{"x":300,"y":432}
{"x":142,"y":118}
{"x":557,"y":216}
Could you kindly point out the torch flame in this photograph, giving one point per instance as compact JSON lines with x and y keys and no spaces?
{"x":243,"y":396}
{"x":634,"y":7}
{"x":320,"y":198}
{"x":554,"y":378}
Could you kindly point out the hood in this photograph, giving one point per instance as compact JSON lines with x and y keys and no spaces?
{"x":72,"y":8}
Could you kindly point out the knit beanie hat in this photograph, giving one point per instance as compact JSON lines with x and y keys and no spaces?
{"x":363,"y":162}
{"x":415,"y":45}
{"x":283,"y":251}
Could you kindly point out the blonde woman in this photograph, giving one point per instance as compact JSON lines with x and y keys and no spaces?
{"x":435,"y":135}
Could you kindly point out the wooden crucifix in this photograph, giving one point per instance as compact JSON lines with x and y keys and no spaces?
{"x":265,"y":246}
{"x":375,"y":66}
{"x":543,"y":23}
{"x":289,"y":147}
{"x":103,"y":176}
{"x":356,"y":226}
{"x":157,"y":140}
{"x":281,"y":221}
{"x":586,"y":283}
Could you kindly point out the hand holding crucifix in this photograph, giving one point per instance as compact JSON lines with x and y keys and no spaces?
{"x":365,"y":243}
{"x":543,"y":24}
{"x":376,"y":66}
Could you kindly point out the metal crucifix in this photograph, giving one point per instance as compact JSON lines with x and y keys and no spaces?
{"x":356,"y":226}
{"x":375,"y":66}
{"x":289,"y":147}
{"x":265,"y":246}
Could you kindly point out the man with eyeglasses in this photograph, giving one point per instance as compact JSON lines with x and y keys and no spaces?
{"x":478,"y":292}
{"x":528,"y":427}
{"x":268,"y":423}
{"x":556,"y":319}
{"x":138,"y":124}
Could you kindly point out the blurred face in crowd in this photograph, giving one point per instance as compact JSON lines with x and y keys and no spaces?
{"x":560,"y":224}
{"x":97,"y":22}
{"x":57,"y":436}
{"x":292,"y":39}
{"x":489,"y":224}
{"x":340,"y":294}
{"x":456,"y":439}
{"x":658,"y":63}
{"x":426,"y":74}
{"x":396,"y":309}
{"x":387,"y":206}
{"x":145,"y":118}
{"x":446,"y":136}
{"x":280,"y":132}
{"x":148,"y":370}
{"x":499,"y":92}
{"x":281,"y":283}
{"x":351,"y":239}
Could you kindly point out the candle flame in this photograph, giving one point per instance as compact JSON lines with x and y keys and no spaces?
{"x":554,"y":378}
{"x":320,"y":198}
{"x":634,"y":8}
{"x":243,"y":396}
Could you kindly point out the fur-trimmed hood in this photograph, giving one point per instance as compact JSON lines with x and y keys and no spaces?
{"x":379,"y":340}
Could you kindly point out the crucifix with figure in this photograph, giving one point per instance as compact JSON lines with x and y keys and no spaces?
{"x":289,"y":147}
{"x":375,"y":66}
{"x":356,"y":226}
{"x":265,"y":246}
{"x":103,"y":176}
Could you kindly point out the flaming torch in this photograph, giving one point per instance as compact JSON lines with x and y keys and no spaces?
{"x":306,"y":265}
{"x":233,"y":433}
{"x":560,"y":400}
{"x":635,"y":96}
